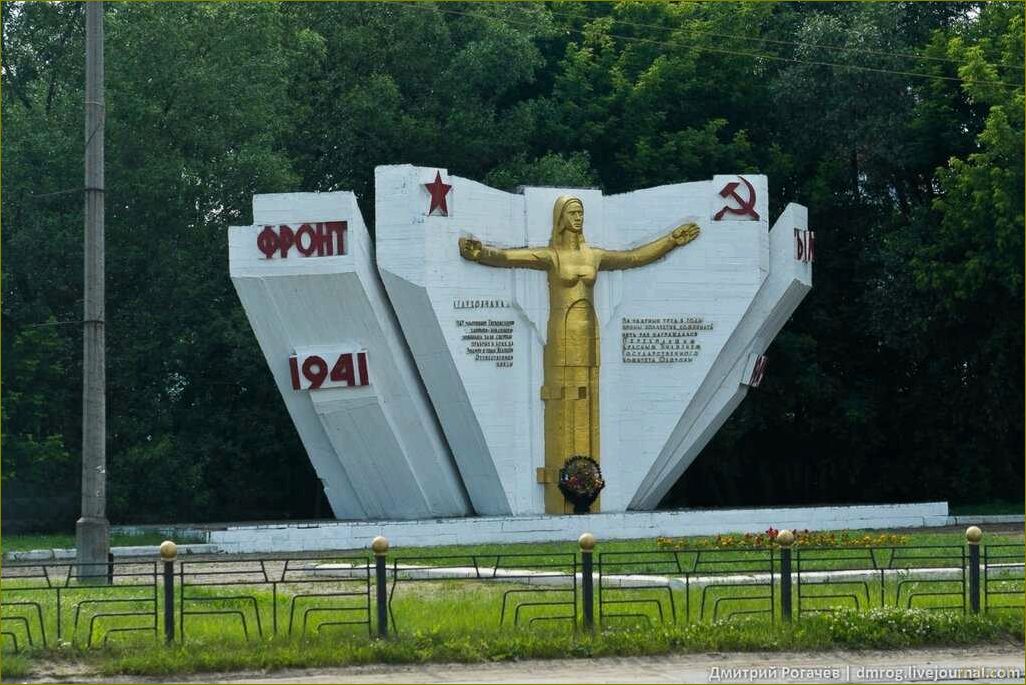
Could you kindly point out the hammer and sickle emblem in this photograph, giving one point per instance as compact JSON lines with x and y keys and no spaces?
{"x":745,"y":208}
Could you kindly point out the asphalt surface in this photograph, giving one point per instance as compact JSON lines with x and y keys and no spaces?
{"x":983,"y":666}
{"x":986,"y":664}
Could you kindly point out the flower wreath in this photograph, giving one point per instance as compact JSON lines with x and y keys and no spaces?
{"x":580,"y":481}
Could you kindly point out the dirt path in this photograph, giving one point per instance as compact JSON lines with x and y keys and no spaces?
{"x":987,"y":664}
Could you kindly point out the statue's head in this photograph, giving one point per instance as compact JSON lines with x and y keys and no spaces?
{"x":567,"y":217}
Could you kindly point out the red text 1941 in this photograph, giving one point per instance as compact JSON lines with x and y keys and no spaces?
{"x":323,"y":239}
{"x":312,"y":371}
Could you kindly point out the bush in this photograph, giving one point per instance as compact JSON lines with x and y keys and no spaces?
{"x":802,"y":538}
{"x":892,"y":627}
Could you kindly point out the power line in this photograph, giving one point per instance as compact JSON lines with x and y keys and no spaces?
{"x":714,"y":34}
{"x":756,"y":55}
{"x":50,"y":323}
{"x":38,"y":196}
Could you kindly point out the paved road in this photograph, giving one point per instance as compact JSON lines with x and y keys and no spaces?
{"x":988,"y":664}
{"x":983,"y":665}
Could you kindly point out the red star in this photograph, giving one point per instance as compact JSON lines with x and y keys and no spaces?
{"x":438,"y":192}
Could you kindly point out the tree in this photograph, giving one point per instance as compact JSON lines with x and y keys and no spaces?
{"x":897,"y":376}
{"x":959,"y":315}
{"x":891,"y":381}
{"x":423,"y":84}
{"x":194,"y":129}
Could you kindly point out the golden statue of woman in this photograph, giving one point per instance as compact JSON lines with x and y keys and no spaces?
{"x":570,"y":387}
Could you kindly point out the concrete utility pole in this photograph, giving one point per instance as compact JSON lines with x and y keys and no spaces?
{"x":92,"y":532}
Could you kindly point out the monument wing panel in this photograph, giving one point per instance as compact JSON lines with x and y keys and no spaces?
{"x":305,"y":279}
{"x":671,"y":322}
{"x":272,"y":335}
{"x":470,"y":337}
{"x":741,"y":363}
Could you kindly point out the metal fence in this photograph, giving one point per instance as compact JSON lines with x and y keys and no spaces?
{"x":1002,"y":577}
{"x":45,"y":603}
{"x":546,"y":586}
{"x":685,"y":584}
{"x":920,"y":576}
{"x":258,"y":598}
{"x":305,"y":594}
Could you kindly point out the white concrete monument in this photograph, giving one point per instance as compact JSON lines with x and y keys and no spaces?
{"x":306,"y":278}
{"x":533,"y":327}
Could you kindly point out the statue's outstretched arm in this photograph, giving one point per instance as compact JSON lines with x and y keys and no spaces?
{"x":649,"y":252}
{"x":515,"y":257}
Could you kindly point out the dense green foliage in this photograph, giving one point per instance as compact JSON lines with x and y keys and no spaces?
{"x":899,"y":378}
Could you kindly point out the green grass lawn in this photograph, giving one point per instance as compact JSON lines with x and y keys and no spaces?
{"x":10,"y":543}
{"x":299,"y":626}
{"x":19,"y":543}
{"x":303,"y":602}
{"x":915,"y":537}
{"x":632,"y":551}
{"x":312,"y":619}
{"x":438,"y":644}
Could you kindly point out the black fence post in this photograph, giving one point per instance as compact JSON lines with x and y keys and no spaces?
{"x":110,"y":568}
{"x":168,"y":552}
{"x":379,"y":546}
{"x":785,"y":539}
{"x":587,"y":543}
{"x":973,"y":535}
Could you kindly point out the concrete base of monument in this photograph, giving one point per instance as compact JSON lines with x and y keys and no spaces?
{"x":337,"y":535}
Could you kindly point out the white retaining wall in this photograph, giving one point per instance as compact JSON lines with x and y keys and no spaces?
{"x":612,"y":526}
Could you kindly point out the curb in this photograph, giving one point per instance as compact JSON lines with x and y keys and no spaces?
{"x":985,"y":519}
{"x":131,"y":552}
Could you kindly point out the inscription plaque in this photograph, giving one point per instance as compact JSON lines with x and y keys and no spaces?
{"x":662,"y":340}
{"x":488,"y":340}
